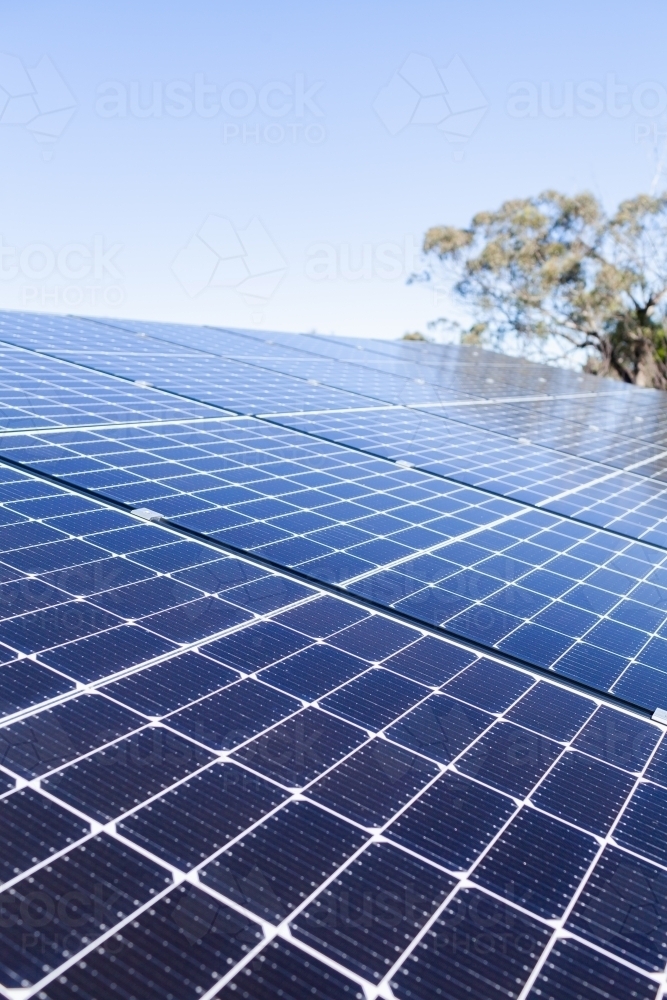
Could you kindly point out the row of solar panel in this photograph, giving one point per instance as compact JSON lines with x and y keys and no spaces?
{"x":632,"y":503}
{"x":626,"y":502}
{"x":484,"y":373}
{"x":586,"y":416}
{"x":586,"y":603}
{"x":570,"y":429}
{"x":236,"y":820}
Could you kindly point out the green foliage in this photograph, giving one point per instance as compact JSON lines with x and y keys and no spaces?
{"x":558,"y":269}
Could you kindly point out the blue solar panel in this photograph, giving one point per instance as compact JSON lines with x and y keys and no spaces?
{"x":580,"y":601}
{"x":379,"y":678}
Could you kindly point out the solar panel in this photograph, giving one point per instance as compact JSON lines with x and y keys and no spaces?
{"x":326,"y":668}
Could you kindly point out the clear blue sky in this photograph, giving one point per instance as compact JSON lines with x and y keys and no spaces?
{"x":260,"y":163}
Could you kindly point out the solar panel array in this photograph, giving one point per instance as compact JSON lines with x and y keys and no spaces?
{"x":327,"y":668}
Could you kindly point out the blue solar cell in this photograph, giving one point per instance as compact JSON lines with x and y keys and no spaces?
{"x":533,"y":644}
{"x":591,"y":598}
{"x":618,"y":739}
{"x":231,"y":716}
{"x":91,"y":521}
{"x":567,"y":619}
{"x":299,"y":749}
{"x":484,"y":624}
{"x":375,"y":638}
{"x":572,"y":969}
{"x":54,"y":736}
{"x":192,"y":821}
{"x":195,"y":620}
{"x":24,"y":684}
{"x":128,"y":539}
{"x":657,"y":769}
{"x":32,"y":829}
{"x":183,"y":943}
{"x":594,"y":667}
{"x":538,"y":863}
{"x":104,"y":654}
{"x":54,"y":555}
{"x":375,"y":699}
{"x":386,"y":892}
{"x":167,"y":686}
{"x":385,"y":588}
{"x":313,"y":672}
{"x":256,"y":646}
{"x":489,"y":685}
{"x":430,"y":661}
{"x":138,"y":599}
{"x":642,"y":685}
{"x":220,"y":575}
{"x":373,"y":783}
{"x":56,"y":504}
{"x":93,"y":577}
{"x":552,"y":711}
{"x":268,"y":594}
{"x":452,"y":822}
{"x":623,"y":909}
{"x":639,"y":615}
{"x":641,"y":826}
{"x":617,"y":637}
{"x":459,"y":949}
{"x":272,"y":870}
{"x":336,"y":567}
{"x":440,"y":727}
{"x":510,"y":758}
{"x":120,"y":777}
{"x":432,"y":605}
{"x":284,"y":971}
{"x":101,"y":871}
{"x":175,"y":556}
{"x":39,"y":630}
{"x":6,"y":783}
{"x":319,"y":619}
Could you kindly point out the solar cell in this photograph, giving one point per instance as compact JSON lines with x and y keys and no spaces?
{"x":299,"y":749}
{"x":33,"y":829}
{"x":539,"y":880}
{"x":171,"y":684}
{"x":367,"y":915}
{"x":452,"y":822}
{"x":181,"y":946}
{"x":509,"y":758}
{"x":572,"y":969}
{"x":349,"y":686}
{"x":622,"y":909}
{"x":584,"y":791}
{"x":196,"y":818}
{"x":130,"y":771}
{"x":373,"y":783}
{"x":281,"y":863}
{"x":97,"y":884}
{"x":285,"y":971}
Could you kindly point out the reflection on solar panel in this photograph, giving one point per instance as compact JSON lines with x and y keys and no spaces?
{"x":327,"y":668}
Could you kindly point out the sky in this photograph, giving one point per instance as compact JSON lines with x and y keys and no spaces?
{"x":277,"y":165}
